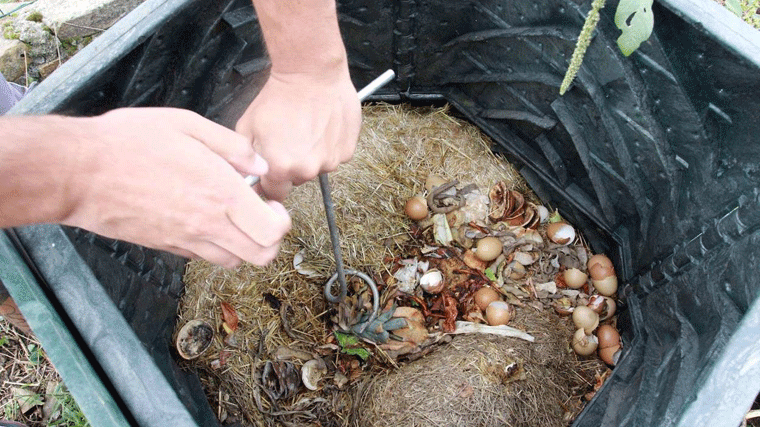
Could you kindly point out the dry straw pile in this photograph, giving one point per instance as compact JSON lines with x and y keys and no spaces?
{"x":473,"y":381}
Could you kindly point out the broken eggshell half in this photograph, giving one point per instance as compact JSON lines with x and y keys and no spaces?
{"x":194,"y":338}
{"x":432,"y":282}
{"x":312,"y":372}
{"x":583,"y":344}
{"x":561,"y":233}
{"x":585,"y":318}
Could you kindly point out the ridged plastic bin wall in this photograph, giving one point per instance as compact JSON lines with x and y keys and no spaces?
{"x":656,"y":157}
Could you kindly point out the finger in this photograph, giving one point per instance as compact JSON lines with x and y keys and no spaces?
{"x":237,"y":242}
{"x":275,"y":190}
{"x":210,"y":252}
{"x":263,"y":223}
{"x":230,"y":145}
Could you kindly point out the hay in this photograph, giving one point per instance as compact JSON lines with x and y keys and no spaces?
{"x":480,"y":380}
{"x":398,"y":148}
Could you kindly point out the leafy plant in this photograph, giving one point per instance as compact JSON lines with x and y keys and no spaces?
{"x":66,"y":411}
{"x":350,"y":345}
{"x":35,"y":354}
{"x":633,"y":17}
{"x":745,"y":9}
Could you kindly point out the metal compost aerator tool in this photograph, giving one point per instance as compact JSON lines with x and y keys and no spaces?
{"x":324,"y":185}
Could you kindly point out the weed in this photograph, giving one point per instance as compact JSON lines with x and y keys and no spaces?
{"x":9,"y":31}
{"x":34,"y":17}
{"x":746,"y":10}
{"x":67,"y":409}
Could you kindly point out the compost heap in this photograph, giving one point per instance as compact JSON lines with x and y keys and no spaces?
{"x":282,"y":355}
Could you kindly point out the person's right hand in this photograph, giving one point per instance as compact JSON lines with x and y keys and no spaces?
{"x":169,"y":179}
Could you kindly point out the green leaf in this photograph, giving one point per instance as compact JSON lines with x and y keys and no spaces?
{"x":359,"y":351}
{"x":735,"y":6}
{"x":35,"y":354}
{"x":635,"y":19}
{"x":346,"y":340}
{"x":490,"y":274}
{"x":555,"y":217}
{"x":350,"y":345}
{"x":3,"y":341}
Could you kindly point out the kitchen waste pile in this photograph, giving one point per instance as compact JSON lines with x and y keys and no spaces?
{"x":483,"y":295}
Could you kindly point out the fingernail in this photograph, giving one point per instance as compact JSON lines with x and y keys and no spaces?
{"x":260,"y":166}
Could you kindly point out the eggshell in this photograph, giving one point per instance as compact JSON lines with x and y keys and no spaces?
{"x":485,"y":296}
{"x":575,"y":278}
{"x":599,"y":271}
{"x":416,"y":208}
{"x":599,"y":259}
{"x":585,"y":318}
{"x":499,"y":313}
{"x":414,"y":332}
{"x":608,"y":336}
{"x":561,"y":233}
{"x":609,"y":309}
{"x":610,"y":355}
{"x":584,"y":344}
{"x":607,"y":286}
{"x":433,"y":181}
{"x":432,"y":282}
{"x":488,"y":248}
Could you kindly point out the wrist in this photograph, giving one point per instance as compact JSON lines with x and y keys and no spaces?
{"x":302,"y":37}
{"x":41,"y":160}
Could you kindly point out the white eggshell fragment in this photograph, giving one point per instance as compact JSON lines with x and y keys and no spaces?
{"x":543,"y":213}
{"x":311,"y":372}
{"x":432,"y":282}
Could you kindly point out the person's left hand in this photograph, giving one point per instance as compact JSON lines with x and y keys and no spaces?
{"x":302,"y":125}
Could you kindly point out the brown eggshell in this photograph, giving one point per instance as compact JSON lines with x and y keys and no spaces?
{"x":488,"y":248}
{"x":599,"y":259}
{"x":584,"y":344}
{"x":561,"y":233}
{"x":610,"y":355}
{"x":471,"y":260}
{"x":433,"y":181}
{"x":499,"y":313}
{"x":409,"y":313}
{"x":585,"y":318}
{"x":575,"y":278}
{"x":608,"y":337}
{"x":609,"y":309}
{"x":596,"y":303}
{"x":414,"y":332}
{"x":416,"y":208}
{"x":607,"y":286}
{"x":485,"y":296}
{"x":600,"y":271}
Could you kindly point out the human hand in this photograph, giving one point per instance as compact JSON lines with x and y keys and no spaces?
{"x":169,"y":179}
{"x":303,"y":126}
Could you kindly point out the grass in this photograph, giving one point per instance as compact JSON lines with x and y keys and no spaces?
{"x":31,"y":391}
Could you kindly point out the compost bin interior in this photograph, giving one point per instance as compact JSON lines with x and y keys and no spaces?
{"x":654,"y":157}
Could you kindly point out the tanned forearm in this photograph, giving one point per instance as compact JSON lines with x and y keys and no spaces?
{"x":37,"y":157}
{"x":302,"y":36}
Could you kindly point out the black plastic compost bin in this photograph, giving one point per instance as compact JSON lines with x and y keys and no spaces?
{"x":656,"y":157}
